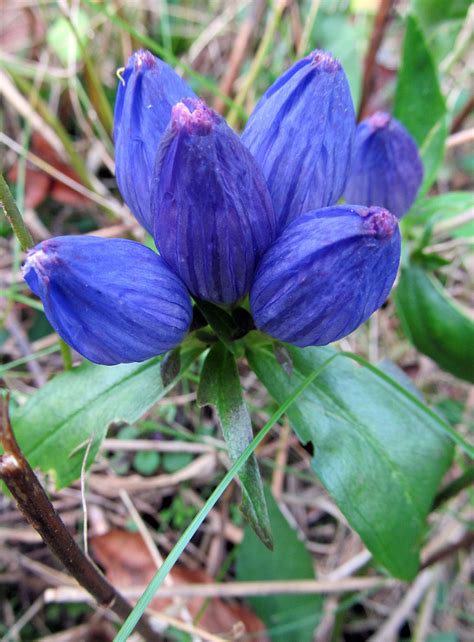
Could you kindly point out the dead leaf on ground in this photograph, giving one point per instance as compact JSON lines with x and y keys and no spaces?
{"x":39,"y":185}
{"x":127,"y":563}
{"x":21,"y":28}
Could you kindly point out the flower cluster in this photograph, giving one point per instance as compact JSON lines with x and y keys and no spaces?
{"x":232,"y":216}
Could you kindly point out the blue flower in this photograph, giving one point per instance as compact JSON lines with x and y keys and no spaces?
{"x":386,"y":167}
{"x":326,"y":274}
{"x":112,"y":300}
{"x":301,"y":133}
{"x":212,"y":210}
{"x":147,"y":90}
{"x":215,"y":204}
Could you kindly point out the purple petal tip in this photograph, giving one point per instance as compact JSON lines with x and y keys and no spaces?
{"x":380,"y":120}
{"x":324,"y":61}
{"x":193,"y":116}
{"x":142,"y":58}
{"x":381,"y":223}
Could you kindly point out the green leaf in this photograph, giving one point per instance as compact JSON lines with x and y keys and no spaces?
{"x":434,"y":323}
{"x":63,"y":41}
{"x":220,"y":387}
{"x":57,"y":423}
{"x":441,"y":21}
{"x":146,"y":462}
{"x":172,"y":462}
{"x":288,"y":618}
{"x":432,"y":12}
{"x":220,"y":321}
{"x":443,"y":207}
{"x":432,"y":153}
{"x":377,"y":451}
{"x":419,"y":103}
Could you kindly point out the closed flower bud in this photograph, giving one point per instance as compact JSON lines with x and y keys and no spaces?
{"x":212,"y":210}
{"x":301,"y":134}
{"x":326,"y":274}
{"x":147,"y":90}
{"x":386,"y":166}
{"x":112,"y":300}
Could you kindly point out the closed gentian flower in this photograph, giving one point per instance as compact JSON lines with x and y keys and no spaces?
{"x":326,"y":274}
{"x":112,"y":300}
{"x":386,"y":167}
{"x":211,"y":206}
{"x":147,"y":90}
{"x":301,"y":133}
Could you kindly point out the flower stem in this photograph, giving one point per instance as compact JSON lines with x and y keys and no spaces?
{"x":37,"y":508}
{"x":13,"y":216}
{"x":66,"y":354}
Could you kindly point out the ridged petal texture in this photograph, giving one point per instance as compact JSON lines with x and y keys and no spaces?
{"x":147,"y":90}
{"x":212,"y":209}
{"x":112,"y":300}
{"x":301,"y":133}
{"x":386,"y":166}
{"x":326,"y":274}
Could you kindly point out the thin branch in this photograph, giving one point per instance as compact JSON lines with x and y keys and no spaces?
{"x":245,"y":589}
{"x":381,"y":20}
{"x":463,"y":114}
{"x":38,"y":510}
{"x":450,"y":549}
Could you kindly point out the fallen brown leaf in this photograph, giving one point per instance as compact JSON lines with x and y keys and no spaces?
{"x":127,"y":563}
{"x":39,"y":185}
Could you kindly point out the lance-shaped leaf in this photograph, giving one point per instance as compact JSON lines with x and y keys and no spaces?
{"x":418,"y":85}
{"x":56,"y":424}
{"x":220,"y":387}
{"x":379,"y":452}
{"x":434,"y":323}
{"x":289,"y":618}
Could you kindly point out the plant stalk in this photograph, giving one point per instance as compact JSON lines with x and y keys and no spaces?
{"x":13,"y":216}
{"x":38,"y":510}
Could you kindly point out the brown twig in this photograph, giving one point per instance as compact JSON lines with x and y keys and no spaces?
{"x":241,"y":45}
{"x":464,"y":543}
{"x":38,"y":510}
{"x":463,"y":114}
{"x":244,"y":589}
{"x":378,"y":32}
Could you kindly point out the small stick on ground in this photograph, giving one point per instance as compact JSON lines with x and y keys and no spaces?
{"x":463,"y":114}
{"x":36,"y":507}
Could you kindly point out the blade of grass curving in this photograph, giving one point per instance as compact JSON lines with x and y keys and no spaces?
{"x":11,"y":295}
{"x":444,"y":427}
{"x":166,"y":55}
{"x":132,"y":620}
{"x":29,"y":357}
